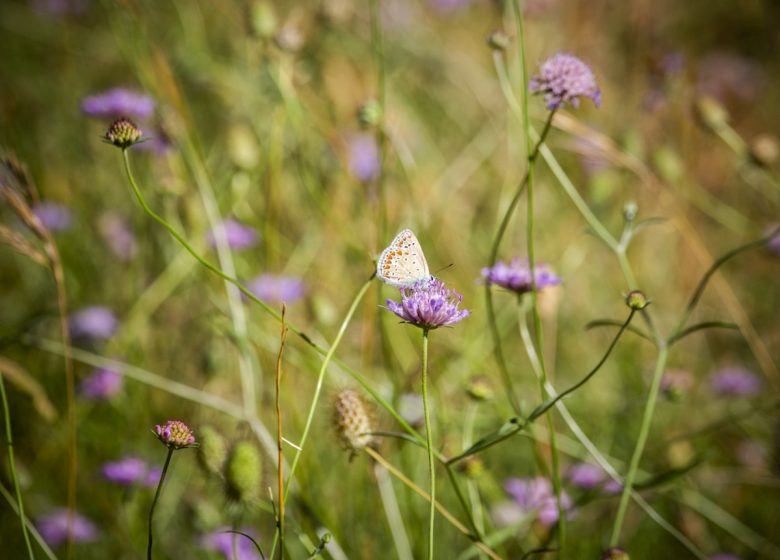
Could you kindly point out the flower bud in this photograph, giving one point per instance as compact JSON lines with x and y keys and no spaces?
{"x":175,"y":434}
{"x":637,"y":300}
{"x":123,"y":133}
{"x":630,"y":210}
{"x":369,"y":114}
{"x":213,"y":449}
{"x":764,"y":150}
{"x":243,"y":471}
{"x":479,"y":389}
{"x":615,"y":553}
{"x":711,"y":112}
{"x":498,"y":40}
{"x":353,"y":421}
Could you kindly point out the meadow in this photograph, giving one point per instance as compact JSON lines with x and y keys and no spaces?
{"x":402,"y":279}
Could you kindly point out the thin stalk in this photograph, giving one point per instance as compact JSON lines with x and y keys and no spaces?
{"x":377,"y":45}
{"x":279,"y":439}
{"x":392,"y":513}
{"x":644,"y":430}
{"x":429,"y":442}
{"x":154,"y":502}
{"x":12,"y":468}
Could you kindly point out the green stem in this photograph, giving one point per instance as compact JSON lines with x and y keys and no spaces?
{"x":381,"y":136}
{"x":154,"y":502}
{"x":644,"y":430}
{"x":12,"y":467}
{"x":429,"y":442}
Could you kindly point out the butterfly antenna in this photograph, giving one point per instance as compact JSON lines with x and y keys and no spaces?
{"x":444,"y":268}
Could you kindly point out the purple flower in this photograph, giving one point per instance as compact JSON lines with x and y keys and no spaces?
{"x":676,"y":382}
{"x":585,"y":476}
{"x":564,"y":78}
{"x":363,"y":158}
{"x":118,"y":102}
{"x":271,"y":288}
{"x":175,"y":434}
{"x":429,"y":305}
{"x":54,"y":527}
{"x":516,"y":276}
{"x":103,"y":383}
{"x":54,"y":217}
{"x":773,"y":244}
{"x":225,"y":543}
{"x":96,"y":322}
{"x":127,"y":471}
{"x":613,"y":487}
{"x":153,"y":477}
{"x":535,"y":495}
{"x":158,"y":142}
{"x":735,"y":381}
{"x":118,"y":236}
{"x":237,"y":235}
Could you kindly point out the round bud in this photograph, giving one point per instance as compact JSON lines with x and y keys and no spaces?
{"x":243,"y":471}
{"x":213,"y":449}
{"x":637,"y":300}
{"x":498,"y":40}
{"x":123,"y":133}
{"x":369,"y":114}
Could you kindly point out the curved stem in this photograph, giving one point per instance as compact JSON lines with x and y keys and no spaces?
{"x":154,"y":502}
{"x":429,"y":442}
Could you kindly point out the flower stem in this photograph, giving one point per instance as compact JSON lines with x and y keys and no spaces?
{"x":154,"y":502}
{"x":12,"y":467}
{"x":429,"y":441}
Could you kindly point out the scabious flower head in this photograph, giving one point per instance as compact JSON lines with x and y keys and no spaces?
{"x":238,"y":236}
{"x":223,"y":542}
{"x":123,"y":133}
{"x":564,"y":78}
{"x":243,"y":471}
{"x":428,"y":304}
{"x":101,"y":384}
{"x":363,"y":158}
{"x":54,"y":217}
{"x":352,"y":420}
{"x":516,"y":276}
{"x":735,"y":381}
{"x":95,"y":322}
{"x":277,"y":289}
{"x":118,"y":102}
{"x":175,"y":434}
{"x":126,"y":471}
{"x":536,"y":495}
{"x":585,"y":476}
{"x":54,"y":527}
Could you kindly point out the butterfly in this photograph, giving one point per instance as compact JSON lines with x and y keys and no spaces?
{"x":403,"y":263}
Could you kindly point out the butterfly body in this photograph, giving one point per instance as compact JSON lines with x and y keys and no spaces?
{"x":403,"y":263}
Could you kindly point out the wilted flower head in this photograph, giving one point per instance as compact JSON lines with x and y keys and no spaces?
{"x":536,"y":495}
{"x":54,"y":217}
{"x":735,"y":381}
{"x":428,"y":304}
{"x":127,"y":471}
{"x":123,"y":133}
{"x":103,"y":383}
{"x":516,"y":276}
{"x":54,"y":527}
{"x":564,"y":78}
{"x":118,"y":236}
{"x":96,"y":322}
{"x":237,"y":235}
{"x":175,"y":434}
{"x":118,"y":102}
{"x":585,"y":476}
{"x":272,"y":288}
{"x":225,"y":543}
{"x":363,"y":157}
{"x":353,"y":421}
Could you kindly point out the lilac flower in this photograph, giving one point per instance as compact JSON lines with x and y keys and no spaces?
{"x":96,"y":322}
{"x":516,"y":276}
{"x":735,"y":381}
{"x":118,"y":236}
{"x":54,"y":217}
{"x":237,"y":235}
{"x":535,"y":495}
{"x":585,"y":476}
{"x":54,"y":527}
{"x":363,"y":158}
{"x":505,"y":514}
{"x":564,"y":78}
{"x":271,"y":288}
{"x":153,"y":477}
{"x":225,"y":543}
{"x":127,"y":471}
{"x":429,"y":305}
{"x":612,"y":486}
{"x":118,"y":102}
{"x":103,"y":383}
{"x":175,"y":434}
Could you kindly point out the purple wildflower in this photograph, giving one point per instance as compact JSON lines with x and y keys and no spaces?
{"x":505,"y":514}
{"x":226,"y":543}
{"x":237,"y":235}
{"x":127,"y":471}
{"x":429,"y":305}
{"x":271,"y":288}
{"x":175,"y":434}
{"x":54,"y":527}
{"x":103,"y":383}
{"x":118,"y":236}
{"x":54,"y":217}
{"x":735,"y":381}
{"x":516,"y":276}
{"x":96,"y":322}
{"x":363,"y":158}
{"x":153,"y":477}
{"x":773,"y":244}
{"x":564,"y":78}
{"x":585,"y":476}
{"x":613,"y":487}
{"x":118,"y":102}
{"x":535,"y":495}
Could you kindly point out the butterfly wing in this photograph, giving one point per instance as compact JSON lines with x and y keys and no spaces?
{"x":403,"y":262}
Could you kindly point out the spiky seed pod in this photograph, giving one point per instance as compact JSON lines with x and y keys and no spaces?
{"x":213,"y":450}
{"x":353,"y":421}
{"x":243,"y":471}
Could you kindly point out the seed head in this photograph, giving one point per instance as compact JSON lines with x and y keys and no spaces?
{"x":353,"y":421}
{"x":123,"y":133}
{"x":213,"y":449}
{"x":175,"y":434}
{"x":244,"y":471}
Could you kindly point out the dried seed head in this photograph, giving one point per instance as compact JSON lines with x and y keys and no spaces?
{"x":123,"y":133}
{"x":353,"y":420}
{"x":243,"y":471}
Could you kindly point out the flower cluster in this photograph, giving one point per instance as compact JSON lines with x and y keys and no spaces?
{"x":96,"y":322}
{"x":564,"y":78}
{"x":130,"y":470}
{"x":277,"y":289}
{"x":175,"y":434}
{"x":429,"y":305}
{"x":118,"y":102}
{"x":101,"y":384}
{"x":54,"y":527}
{"x":516,"y":276}
{"x":735,"y":381}
{"x":238,"y":236}
{"x":123,"y":133}
{"x":535,"y":495}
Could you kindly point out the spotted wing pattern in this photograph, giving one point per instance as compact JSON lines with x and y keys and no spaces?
{"x":403,"y":263}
